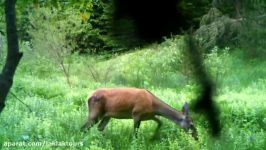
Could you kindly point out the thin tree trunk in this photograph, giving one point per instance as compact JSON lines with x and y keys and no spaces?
{"x":13,"y":54}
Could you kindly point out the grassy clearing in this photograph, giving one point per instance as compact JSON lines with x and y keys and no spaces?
{"x":59,"y":111}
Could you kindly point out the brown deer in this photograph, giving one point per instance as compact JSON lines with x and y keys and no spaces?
{"x":139,"y":104}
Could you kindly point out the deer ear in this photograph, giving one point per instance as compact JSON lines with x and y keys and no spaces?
{"x":185,"y":109}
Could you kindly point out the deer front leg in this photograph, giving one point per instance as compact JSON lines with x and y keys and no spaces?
{"x":103,"y":123}
{"x":159,"y":124}
{"x":136,"y":124}
{"x":93,"y":119}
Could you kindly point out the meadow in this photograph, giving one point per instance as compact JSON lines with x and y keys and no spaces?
{"x":58,"y":110}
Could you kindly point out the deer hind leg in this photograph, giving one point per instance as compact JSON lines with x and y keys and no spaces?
{"x":103,"y":123}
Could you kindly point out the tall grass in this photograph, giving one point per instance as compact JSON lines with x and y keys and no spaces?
{"x":59,"y":111}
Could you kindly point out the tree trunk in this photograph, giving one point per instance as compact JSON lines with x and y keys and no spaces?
{"x":13,"y":54}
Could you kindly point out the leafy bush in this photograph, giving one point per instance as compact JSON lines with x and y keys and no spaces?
{"x":91,"y":27}
{"x":46,"y":43}
{"x":252,"y":36}
{"x":85,"y":28}
{"x":23,"y":11}
{"x":214,"y":62}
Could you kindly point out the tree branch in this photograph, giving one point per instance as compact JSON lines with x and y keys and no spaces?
{"x":21,"y":101}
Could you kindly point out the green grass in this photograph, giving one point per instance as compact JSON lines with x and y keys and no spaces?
{"x":59,"y":111}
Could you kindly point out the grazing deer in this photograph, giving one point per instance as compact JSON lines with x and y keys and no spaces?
{"x":139,"y":104}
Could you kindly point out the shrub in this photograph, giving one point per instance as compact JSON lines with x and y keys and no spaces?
{"x":49,"y":37}
{"x":214,"y":62}
{"x":252,"y":36}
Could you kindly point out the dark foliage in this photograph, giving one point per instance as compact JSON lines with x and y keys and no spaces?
{"x":153,"y":20}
